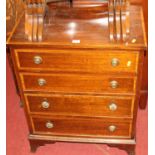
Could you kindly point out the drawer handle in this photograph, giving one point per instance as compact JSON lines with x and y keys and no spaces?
{"x":115,"y":62}
{"x":112,"y":128}
{"x":37,"y":60}
{"x":49,"y":125}
{"x":45,"y":104}
{"x":114,"y":84}
{"x":41,"y":82}
{"x":113,"y":106}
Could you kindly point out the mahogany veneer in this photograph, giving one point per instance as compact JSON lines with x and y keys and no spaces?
{"x":82,"y":127}
{"x":80,"y":105}
{"x":70,"y":60}
{"x":76,"y":84}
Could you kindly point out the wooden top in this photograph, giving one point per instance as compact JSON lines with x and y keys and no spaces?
{"x":71,"y":29}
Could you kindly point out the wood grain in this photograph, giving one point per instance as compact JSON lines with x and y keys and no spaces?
{"x":82,"y":127}
{"x":115,"y":141}
{"x":76,"y":54}
{"x":88,"y":61}
{"x":93,"y":33}
{"x":72,"y":83}
{"x":80,"y":105}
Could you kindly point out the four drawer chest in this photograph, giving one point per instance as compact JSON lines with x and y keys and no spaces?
{"x":76,"y":85}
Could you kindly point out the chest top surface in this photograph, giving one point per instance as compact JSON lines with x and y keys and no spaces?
{"x":64,"y":28}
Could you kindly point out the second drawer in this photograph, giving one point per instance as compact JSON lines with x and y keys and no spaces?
{"x":77,"y":83}
{"x":80,"y":105}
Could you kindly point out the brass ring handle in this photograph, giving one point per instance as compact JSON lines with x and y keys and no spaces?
{"x":41,"y":82}
{"x":115,"y":62}
{"x":49,"y":125}
{"x":113,"y":106}
{"x":112,"y":128}
{"x":37,"y":60}
{"x":114,"y":84}
{"x":45,"y":104}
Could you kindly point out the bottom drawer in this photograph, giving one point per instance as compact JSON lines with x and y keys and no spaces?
{"x":70,"y":126}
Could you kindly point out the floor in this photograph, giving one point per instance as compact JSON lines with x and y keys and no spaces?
{"x":17,"y":132}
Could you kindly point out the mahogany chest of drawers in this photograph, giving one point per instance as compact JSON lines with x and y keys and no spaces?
{"x":79,"y":86}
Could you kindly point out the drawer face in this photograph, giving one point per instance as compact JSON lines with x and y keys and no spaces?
{"x":81,"y":126}
{"x":80,"y":105}
{"x":86,"y":61}
{"x":73,"y":83}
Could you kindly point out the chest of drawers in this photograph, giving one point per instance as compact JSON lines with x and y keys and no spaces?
{"x":84,"y":92}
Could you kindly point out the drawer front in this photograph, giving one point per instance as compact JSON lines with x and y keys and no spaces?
{"x":82,"y":127}
{"x":73,"y":83}
{"x":80,"y":105}
{"x":77,"y":60}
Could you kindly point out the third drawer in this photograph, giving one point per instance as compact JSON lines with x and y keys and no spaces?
{"x":80,"y":105}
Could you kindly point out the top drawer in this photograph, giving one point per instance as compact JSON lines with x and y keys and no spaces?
{"x":86,"y":61}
